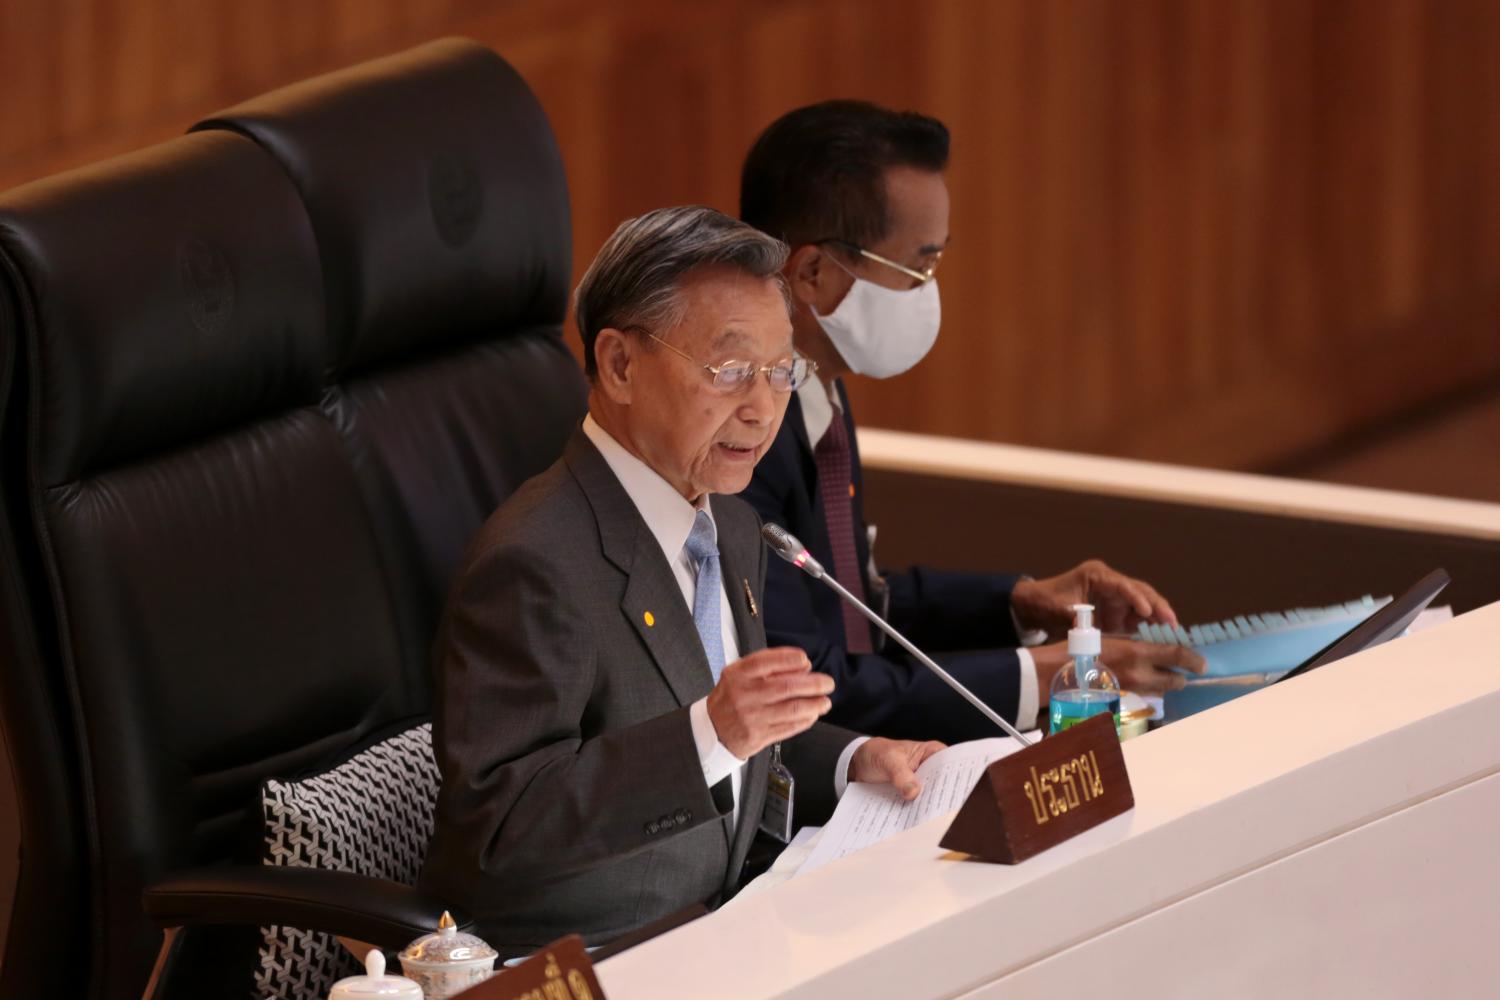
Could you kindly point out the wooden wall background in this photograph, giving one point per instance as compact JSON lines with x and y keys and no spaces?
{"x":1221,"y":232}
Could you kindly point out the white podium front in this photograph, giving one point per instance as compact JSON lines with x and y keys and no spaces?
{"x":1335,"y":835}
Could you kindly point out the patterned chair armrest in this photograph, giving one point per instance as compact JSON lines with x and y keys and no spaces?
{"x":381,"y":912}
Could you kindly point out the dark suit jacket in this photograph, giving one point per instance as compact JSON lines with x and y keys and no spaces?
{"x":573,"y":799}
{"x":961,"y":619}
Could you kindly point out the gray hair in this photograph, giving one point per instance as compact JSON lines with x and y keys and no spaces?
{"x":635,"y":278}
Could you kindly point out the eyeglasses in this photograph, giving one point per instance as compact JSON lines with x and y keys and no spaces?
{"x":735,"y":376}
{"x":925,"y":275}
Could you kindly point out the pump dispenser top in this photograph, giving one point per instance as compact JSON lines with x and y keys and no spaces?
{"x":1083,"y":638}
{"x":1084,"y":687}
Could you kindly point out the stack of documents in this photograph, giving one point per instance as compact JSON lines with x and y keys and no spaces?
{"x":1271,"y":643}
{"x":1251,"y":651}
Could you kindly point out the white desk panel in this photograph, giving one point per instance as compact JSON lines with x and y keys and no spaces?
{"x":1402,"y":907}
{"x":1218,"y":795}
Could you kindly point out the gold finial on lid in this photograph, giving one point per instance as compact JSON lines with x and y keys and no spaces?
{"x":446,"y":921}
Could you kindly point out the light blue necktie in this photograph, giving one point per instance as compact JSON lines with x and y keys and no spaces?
{"x":703,"y":546}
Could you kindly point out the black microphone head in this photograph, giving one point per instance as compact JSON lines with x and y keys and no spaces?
{"x":786,"y":545}
{"x":782,"y":542}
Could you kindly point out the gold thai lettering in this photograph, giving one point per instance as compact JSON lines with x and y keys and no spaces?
{"x":1030,"y":788}
{"x":555,"y":989}
{"x":1080,"y":771}
{"x":1048,"y":777}
{"x":1063,"y":787}
{"x":579,"y":984}
{"x":1069,"y":783}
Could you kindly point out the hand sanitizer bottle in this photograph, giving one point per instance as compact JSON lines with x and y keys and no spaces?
{"x":1085,"y":687}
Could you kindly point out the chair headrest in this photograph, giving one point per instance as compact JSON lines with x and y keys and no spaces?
{"x":437,"y":193}
{"x":168,"y":294}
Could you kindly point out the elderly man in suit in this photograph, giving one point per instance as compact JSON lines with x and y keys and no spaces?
{"x":606,"y":708}
{"x":858,"y":193}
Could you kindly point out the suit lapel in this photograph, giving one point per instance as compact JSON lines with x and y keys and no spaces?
{"x":740,"y":562}
{"x":652,"y":600}
{"x":741,"y":574}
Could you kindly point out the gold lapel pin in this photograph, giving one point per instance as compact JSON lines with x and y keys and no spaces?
{"x":750,"y":598}
{"x":649,"y":619}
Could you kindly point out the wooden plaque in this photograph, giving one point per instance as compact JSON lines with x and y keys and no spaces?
{"x":1040,"y":796}
{"x":560,"y":971}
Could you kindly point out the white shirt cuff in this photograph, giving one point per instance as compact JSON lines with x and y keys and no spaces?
{"x":841,"y":772}
{"x":1028,"y":702}
{"x":1033,"y":637}
{"x":718,"y":763}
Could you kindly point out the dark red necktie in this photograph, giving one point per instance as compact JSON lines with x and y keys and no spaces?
{"x":836,"y":485}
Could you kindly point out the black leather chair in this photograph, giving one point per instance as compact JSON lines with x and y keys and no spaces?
{"x":258,"y":386}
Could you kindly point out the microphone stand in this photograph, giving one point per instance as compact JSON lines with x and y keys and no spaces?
{"x":922,"y":657}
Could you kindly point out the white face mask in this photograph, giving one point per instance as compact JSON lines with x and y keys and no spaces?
{"x":881,"y":332}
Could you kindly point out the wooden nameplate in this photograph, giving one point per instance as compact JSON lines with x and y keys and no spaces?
{"x":1038,"y":797}
{"x":560,"y":971}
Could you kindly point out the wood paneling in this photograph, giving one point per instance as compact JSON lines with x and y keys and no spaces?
{"x":1218,"y":232}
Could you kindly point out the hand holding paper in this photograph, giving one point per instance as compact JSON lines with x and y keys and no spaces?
{"x":893,"y":763}
{"x":869,"y":813}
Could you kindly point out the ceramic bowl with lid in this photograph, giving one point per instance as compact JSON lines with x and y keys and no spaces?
{"x":1136,"y":714}
{"x":375,"y":983}
{"x":448,"y":962}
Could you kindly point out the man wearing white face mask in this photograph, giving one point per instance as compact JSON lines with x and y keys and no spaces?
{"x":858,"y":193}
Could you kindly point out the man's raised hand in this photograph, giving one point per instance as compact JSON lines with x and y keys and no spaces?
{"x":767,"y":696}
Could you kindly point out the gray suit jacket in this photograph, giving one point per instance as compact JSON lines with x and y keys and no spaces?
{"x":573,"y":800}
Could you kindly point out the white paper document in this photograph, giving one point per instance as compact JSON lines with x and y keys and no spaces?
{"x":1431,"y":618}
{"x":867,"y":814}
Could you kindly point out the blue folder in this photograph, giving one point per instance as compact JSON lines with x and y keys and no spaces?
{"x":1250,"y":651}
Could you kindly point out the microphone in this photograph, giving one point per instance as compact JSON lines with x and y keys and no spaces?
{"x":786,"y":545}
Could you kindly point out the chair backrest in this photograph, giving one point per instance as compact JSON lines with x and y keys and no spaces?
{"x":436,"y":191}
{"x":260,"y":385}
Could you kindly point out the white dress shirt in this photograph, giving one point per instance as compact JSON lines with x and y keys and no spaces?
{"x":670,"y":519}
{"x":819,"y":404}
